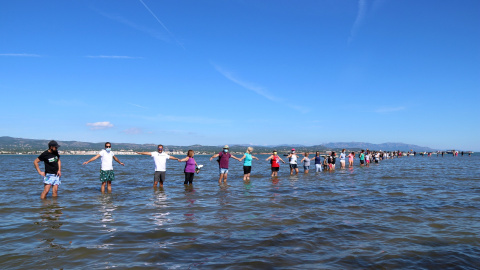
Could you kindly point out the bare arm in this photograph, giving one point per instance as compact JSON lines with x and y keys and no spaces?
{"x":90,"y":160}
{"x":184,"y":159}
{"x":240,"y":159}
{"x":270,"y":157}
{"x":281,"y":159}
{"x":234,"y":157}
{"x":214,"y":156}
{"x":116,"y":159}
{"x":255,"y":157}
{"x":37,"y":167}
{"x":144,"y":153}
{"x":172,"y":157}
{"x":59,"y":173}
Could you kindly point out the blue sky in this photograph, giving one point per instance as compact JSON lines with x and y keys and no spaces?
{"x":242,"y":71}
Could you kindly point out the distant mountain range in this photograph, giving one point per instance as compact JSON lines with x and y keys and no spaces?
{"x":10,"y":144}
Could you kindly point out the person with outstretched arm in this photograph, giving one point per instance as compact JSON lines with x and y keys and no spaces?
{"x":160,"y":159}
{"x":106,"y":170}
{"x":224,"y":157}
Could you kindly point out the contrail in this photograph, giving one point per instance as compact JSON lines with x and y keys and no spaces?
{"x":160,"y":22}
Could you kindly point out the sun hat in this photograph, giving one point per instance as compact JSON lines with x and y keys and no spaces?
{"x":226,"y":146}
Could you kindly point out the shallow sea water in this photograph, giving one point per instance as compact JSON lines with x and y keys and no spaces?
{"x":404,"y":213}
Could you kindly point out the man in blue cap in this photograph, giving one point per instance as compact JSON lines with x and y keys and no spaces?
{"x":52,"y":173}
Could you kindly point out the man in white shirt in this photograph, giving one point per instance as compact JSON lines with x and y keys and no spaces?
{"x":106,"y":172}
{"x":160,"y":159}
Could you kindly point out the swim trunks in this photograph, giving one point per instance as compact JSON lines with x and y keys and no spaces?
{"x":107,"y":175}
{"x":51,"y":179}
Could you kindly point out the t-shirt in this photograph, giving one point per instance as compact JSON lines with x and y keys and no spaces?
{"x":248,"y":160}
{"x":160,"y":161}
{"x":342,"y":156}
{"x":51,"y":161}
{"x":107,"y":160}
{"x":318,"y":160}
{"x":224,"y":158}
{"x":350,"y":157}
{"x":362,"y":156}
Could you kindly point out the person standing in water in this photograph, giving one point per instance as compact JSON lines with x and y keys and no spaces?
{"x":53,"y":166}
{"x":318,"y":162}
{"x":275,"y":161}
{"x":190,"y":167}
{"x":247,"y":164}
{"x":351,"y":157}
{"x":160,"y":159}
{"x":223,"y":163}
{"x":306,"y":162}
{"x":106,"y":170}
{"x":361,"y":156}
{"x":292,"y":158}
{"x":342,"y":159}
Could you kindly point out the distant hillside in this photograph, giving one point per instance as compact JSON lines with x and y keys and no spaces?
{"x":10,"y":144}
{"x":382,"y":146}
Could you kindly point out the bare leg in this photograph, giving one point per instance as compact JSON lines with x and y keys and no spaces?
{"x":109,"y":186}
{"x":55,"y":191}
{"x":46,"y":189}
{"x":220,"y":178}
{"x":103,"y":187}
{"x":155,"y":183}
{"x":296,"y":170}
{"x":225,"y":178}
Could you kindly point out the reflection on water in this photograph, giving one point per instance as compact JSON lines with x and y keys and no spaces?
{"x":160,"y":203}
{"x":50,"y":213}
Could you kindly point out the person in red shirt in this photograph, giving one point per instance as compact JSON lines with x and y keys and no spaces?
{"x":275,"y":163}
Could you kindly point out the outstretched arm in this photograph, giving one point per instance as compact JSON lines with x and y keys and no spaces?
{"x":172,"y":157}
{"x":90,"y":160}
{"x":183,"y":159}
{"x":116,"y":159}
{"x":234,"y":157}
{"x":244,"y":156}
{"x":214,"y":156}
{"x":255,"y":157}
{"x":144,"y":153}
{"x":270,"y":157}
{"x":281,"y":159}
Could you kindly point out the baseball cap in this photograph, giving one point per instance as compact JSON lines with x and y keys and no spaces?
{"x":53,"y":144}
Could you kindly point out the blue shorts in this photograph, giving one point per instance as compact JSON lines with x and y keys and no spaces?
{"x":306,"y":168}
{"x":223,"y":170}
{"x":51,"y":179}
{"x":293,"y":166}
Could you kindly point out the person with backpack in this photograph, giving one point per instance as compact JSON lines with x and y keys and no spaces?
{"x":223,"y":159}
{"x":275,"y":161}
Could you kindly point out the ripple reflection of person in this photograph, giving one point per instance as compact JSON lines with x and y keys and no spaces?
{"x":50,"y":213}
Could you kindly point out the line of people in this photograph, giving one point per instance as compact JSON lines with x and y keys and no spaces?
{"x":52,"y":162}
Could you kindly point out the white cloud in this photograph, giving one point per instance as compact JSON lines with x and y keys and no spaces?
{"x":113,"y":56}
{"x":362,"y":10}
{"x":20,"y":54}
{"x":100,"y":125}
{"x":258,"y":89}
{"x":389,"y":109}
{"x":139,"y":106}
{"x":161,"y":23}
{"x":133,"y":131}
